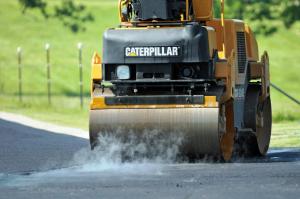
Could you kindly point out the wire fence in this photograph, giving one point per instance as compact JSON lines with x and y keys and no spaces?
{"x":48,"y":76}
{"x":285,"y":93}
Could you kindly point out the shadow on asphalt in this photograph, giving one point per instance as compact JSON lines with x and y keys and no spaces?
{"x":274,"y":155}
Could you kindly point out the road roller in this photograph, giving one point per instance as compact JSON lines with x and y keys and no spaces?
{"x":171,"y":66}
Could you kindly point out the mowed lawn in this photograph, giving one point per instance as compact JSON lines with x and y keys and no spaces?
{"x":286,"y":134}
{"x":32,"y":32}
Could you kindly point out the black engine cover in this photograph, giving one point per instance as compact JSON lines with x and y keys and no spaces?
{"x":184,"y":44}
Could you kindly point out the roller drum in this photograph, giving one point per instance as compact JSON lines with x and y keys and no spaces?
{"x":198,"y":126}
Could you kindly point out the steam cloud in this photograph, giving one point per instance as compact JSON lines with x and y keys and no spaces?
{"x":115,"y":150}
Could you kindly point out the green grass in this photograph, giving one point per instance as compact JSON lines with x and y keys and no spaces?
{"x":286,"y":134}
{"x":32,"y":31}
{"x":63,"y":110}
{"x":283,"y":48}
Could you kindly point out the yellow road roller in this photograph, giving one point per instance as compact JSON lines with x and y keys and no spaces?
{"x":170,"y":65}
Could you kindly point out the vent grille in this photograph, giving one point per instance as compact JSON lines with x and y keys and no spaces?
{"x":241,"y":48}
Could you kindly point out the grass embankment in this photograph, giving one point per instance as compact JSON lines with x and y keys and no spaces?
{"x":32,"y":31}
{"x":283,"y":48}
{"x":286,"y":134}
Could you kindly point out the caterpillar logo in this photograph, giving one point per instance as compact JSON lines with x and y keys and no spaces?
{"x":161,"y":51}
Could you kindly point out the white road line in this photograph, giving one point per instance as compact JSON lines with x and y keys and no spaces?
{"x":26,"y":121}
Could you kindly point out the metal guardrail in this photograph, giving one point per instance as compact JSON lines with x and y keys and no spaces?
{"x":285,"y":94}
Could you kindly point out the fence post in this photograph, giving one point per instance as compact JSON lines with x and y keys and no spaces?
{"x":80,"y":73}
{"x":47,"y":48}
{"x":19,"y":54}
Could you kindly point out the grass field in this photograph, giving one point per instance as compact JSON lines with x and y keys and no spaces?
{"x":286,"y":134}
{"x":283,"y":48}
{"x":32,"y":31}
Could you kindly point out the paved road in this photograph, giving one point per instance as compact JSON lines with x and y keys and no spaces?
{"x":40,"y":164}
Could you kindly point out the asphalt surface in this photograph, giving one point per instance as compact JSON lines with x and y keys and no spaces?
{"x":41,"y":164}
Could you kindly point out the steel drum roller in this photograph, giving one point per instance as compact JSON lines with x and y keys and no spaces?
{"x":199,"y":126}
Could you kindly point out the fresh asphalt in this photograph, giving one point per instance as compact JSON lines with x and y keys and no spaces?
{"x":40,"y":164}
